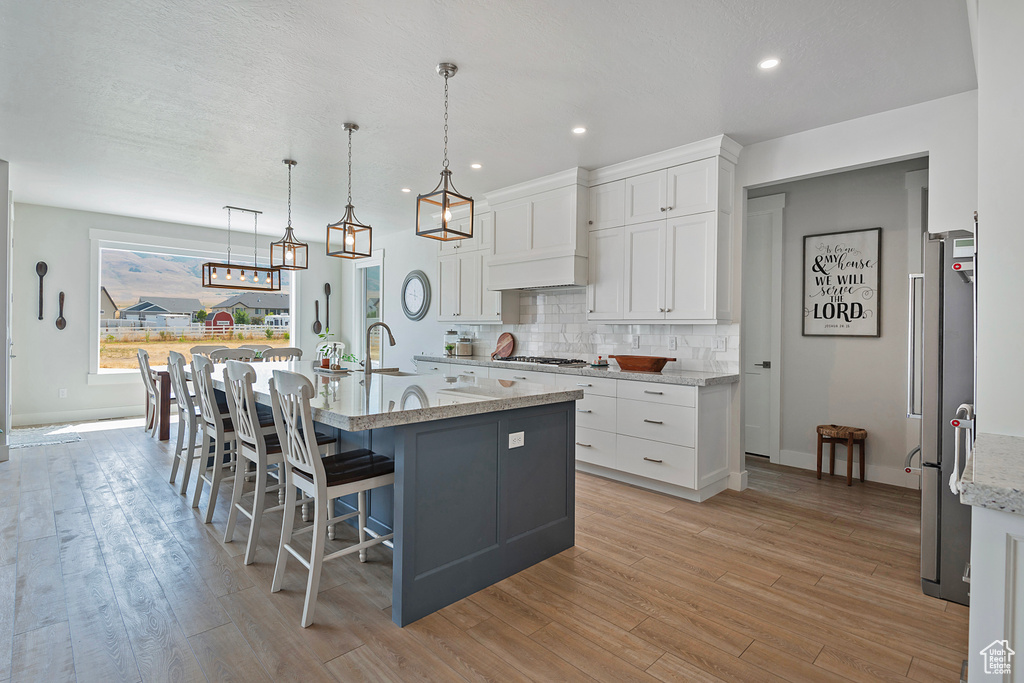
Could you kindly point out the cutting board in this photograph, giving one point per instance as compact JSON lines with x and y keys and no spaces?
{"x":506,"y":344}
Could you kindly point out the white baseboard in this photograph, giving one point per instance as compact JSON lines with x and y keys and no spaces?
{"x":696,"y":495}
{"x":29,"y":419}
{"x":895,"y":476}
{"x":738,"y":480}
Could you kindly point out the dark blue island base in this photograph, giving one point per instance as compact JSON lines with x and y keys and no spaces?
{"x":467,"y":510}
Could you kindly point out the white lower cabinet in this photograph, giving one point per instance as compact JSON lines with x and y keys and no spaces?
{"x":424,"y":367}
{"x":655,"y":460}
{"x":595,"y":447}
{"x":523,"y":375}
{"x":470,"y":370}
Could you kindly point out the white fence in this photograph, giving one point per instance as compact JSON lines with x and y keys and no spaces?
{"x":115,"y":330}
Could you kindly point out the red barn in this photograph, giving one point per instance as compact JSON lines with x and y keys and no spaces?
{"x":221,"y":320}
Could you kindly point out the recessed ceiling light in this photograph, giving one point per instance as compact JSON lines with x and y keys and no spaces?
{"x":769,"y":63}
{"x":406,"y":189}
{"x":475,"y":166}
{"x":579,"y":130}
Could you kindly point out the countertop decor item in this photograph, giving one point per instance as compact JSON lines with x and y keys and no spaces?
{"x":641,"y":363}
{"x":41,"y":272}
{"x":61,"y":322}
{"x":348,"y":238}
{"x":416,"y":295}
{"x":254,"y":278}
{"x":316,"y":319}
{"x":434,"y":211}
{"x":288,"y":253}
{"x":506,"y":344}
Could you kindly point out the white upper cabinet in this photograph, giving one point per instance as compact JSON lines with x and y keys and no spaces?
{"x":692,"y":188}
{"x":690,"y":267}
{"x":483,"y":232}
{"x":645,"y":197}
{"x":644,"y":282}
{"x":607,"y":205}
{"x":454,"y":246}
{"x":604,"y":293}
{"x":448,"y":287}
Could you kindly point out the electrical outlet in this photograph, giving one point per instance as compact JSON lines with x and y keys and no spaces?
{"x":517,"y":440}
{"x":719,"y":343}
{"x":673,"y":343}
{"x":635,"y":341}
{"x":62,"y":393}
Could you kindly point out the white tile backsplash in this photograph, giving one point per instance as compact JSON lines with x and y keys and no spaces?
{"x":555,"y":324}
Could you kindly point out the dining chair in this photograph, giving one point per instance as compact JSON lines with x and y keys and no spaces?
{"x":283,"y":353}
{"x":152,"y":394}
{"x":188,"y":420}
{"x":242,"y":354}
{"x":260,"y":446}
{"x":323,"y":479}
{"x":217,"y":428}
{"x":260,"y":349}
{"x":205,"y":349}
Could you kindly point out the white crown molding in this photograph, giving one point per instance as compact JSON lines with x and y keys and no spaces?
{"x":572,"y":176}
{"x":720,"y":145}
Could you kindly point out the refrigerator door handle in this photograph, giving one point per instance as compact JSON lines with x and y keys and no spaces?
{"x":963,"y":422}
{"x":912,"y":344}
{"x":931,"y":489}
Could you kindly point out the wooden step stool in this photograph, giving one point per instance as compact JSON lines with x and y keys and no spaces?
{"x":838,"y":434}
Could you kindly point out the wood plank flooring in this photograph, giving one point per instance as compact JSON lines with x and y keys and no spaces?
{"x":107,"y":574}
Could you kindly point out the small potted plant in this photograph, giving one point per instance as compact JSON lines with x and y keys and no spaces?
{"x":449,"y":349}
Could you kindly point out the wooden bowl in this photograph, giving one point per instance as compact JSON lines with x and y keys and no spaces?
{"x":641,"y":363}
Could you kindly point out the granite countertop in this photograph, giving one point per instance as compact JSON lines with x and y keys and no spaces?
{"x":346,"y":402}
{"x":994,"y":474}
{"x":685,"y":377}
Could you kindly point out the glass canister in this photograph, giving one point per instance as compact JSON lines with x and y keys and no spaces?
{"x":451,"y":337}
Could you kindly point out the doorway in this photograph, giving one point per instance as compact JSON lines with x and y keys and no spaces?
{"x":762,"y":325}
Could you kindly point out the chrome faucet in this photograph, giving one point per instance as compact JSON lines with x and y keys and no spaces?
{"x":391,"y":342}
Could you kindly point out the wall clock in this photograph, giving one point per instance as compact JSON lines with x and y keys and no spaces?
{"x":416,"y":295}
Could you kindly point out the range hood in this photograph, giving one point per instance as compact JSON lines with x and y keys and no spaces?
{"x":540,"y":233}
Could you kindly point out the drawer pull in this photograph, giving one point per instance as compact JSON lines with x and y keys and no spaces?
{"x":654,"y":393}
{"x":580,"y":410}
{"x":579,"y":384}
{"x":585,"y":445}
{"x":468,"y":372}
{"x":651,"y":460}
{"x":514,"y":377}
{"x":653,"y":422}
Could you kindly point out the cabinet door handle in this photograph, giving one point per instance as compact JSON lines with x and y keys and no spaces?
{"x":590,"y":310}
{"x":583,"y":385}
{"x":670,"y":208}
{"x":590,"y":222}
{"x":655,"y":393}
{"x":668,"y":310}
{"x":653,"y":422}
{"x":585,"y":445}
{"x":468,"y":372}
{"x":514,"y":377}
{"x":580,"y":410}
{"x":663,"y":209}
{"x":662,"y":310}
{"x":651,"y":459}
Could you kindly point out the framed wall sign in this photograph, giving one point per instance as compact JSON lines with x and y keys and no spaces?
{"x":842,"y":283}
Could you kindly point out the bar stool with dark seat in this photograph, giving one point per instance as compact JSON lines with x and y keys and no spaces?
{"x":322,"y":478}
{"x":838,"y":434}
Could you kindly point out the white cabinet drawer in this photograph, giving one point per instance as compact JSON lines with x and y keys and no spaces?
{"x":532,"y":376}
{"x":657,"y":421}
{"x":601,"y":386}
{"x":596,"y":412}
{"x":659,"y":461}
{"x":471,"y":370}
{"x":426,"y":367}
{"x":595,"y":447}
{"x":674,"y":394}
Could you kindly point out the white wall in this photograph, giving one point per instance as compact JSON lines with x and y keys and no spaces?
{"x":847,"y":380}
{"x":945,"y":130}
{"x":1000,"y":401}
{"x":48,"y":359}
{"x":5,"y":298}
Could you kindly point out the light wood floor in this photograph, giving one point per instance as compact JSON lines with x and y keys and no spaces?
{"x":107,"y":575}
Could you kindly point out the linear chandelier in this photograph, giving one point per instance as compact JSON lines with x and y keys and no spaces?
{"x":254,"y":278}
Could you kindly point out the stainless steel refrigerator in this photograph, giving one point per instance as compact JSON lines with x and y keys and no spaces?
{"x":941,"y":392}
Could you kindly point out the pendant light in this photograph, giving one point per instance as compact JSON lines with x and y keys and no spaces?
{"x":255,"y":278}
{"x":348,"y":238}
{"x":441,"y":214}
{"x":289,"y":253}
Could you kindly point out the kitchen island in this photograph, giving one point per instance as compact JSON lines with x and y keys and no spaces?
{"x":468,"y":507}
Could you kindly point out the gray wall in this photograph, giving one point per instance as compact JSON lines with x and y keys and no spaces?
{"x":847,"y":380}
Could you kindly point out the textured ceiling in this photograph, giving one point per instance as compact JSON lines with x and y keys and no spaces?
{"x":171,"y":109}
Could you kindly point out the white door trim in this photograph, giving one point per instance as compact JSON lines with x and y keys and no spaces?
{"x":774,"y":205}
{"x":6,"y":237}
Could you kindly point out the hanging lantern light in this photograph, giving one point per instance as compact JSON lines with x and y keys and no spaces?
{"x":289,"y":253}
{"x":441,"y":214}
{"x":259,"y":279}
{"x":348,"y":238}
